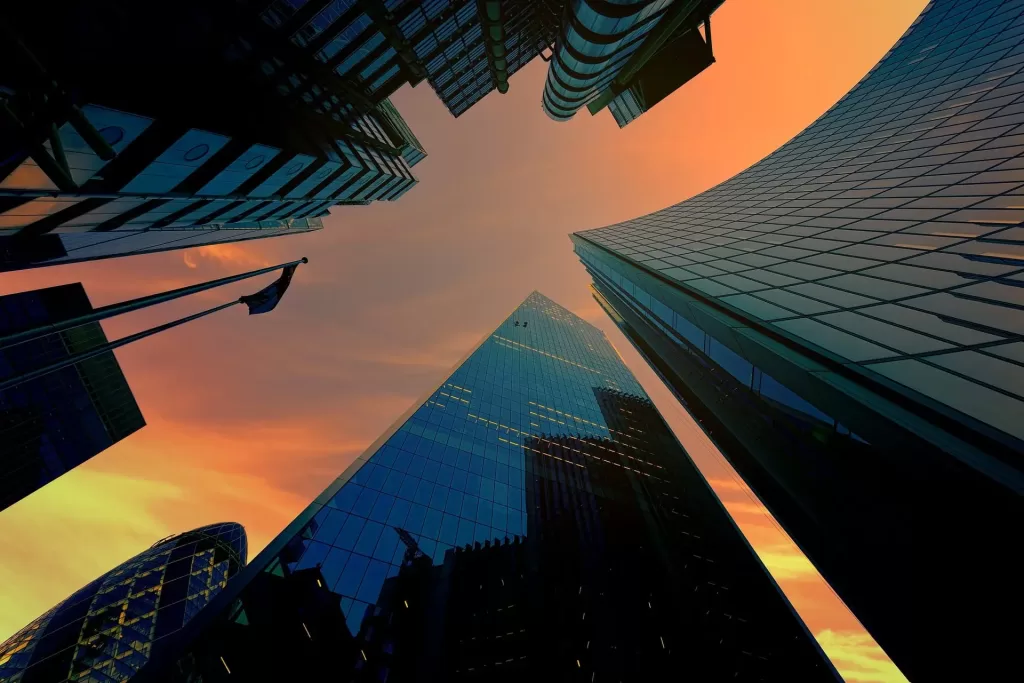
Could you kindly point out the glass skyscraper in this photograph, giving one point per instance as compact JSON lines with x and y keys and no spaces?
{"x":245,"y":119}
{"x":845,"y":319}
{"x":128,"y":128}
{"x":106,"y":630}
{"x":54,"y":423}
{"x":534,"y":516}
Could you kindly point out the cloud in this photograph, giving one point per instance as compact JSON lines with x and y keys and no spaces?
{"x":858,"y":657}
{"x":232,"y":254}
{"x":786,"y":563}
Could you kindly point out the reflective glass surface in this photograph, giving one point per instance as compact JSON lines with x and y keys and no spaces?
{"x":876,"y":497}
{"x":106,"y":630}
{"x":534,"y":516}
{"x":54,"y":423}
{"x":900,"y":204}
{"x":843,"y":319}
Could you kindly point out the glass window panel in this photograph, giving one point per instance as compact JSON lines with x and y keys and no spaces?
{"x":382,"y":507}
{"x":385,"y":549}
{"x":333,"y":565}
{"x":831,"y":339}
{"x":968,"y":397}
{"x":730,"y":361}
{"x":368,"y":538}
{"x":449,"y":528}
{"x":889,"y":335}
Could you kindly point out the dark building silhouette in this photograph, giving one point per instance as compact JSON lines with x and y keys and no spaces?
{"x":106,"y":630}
{"x":250,"y":118}
{"x":291,"y":614}
{"x":128,"y":128}
{"x":54,"y":423}
{"x":844,"y":319}
{"x":534,"y":517}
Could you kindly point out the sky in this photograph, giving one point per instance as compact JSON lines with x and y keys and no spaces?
{"x":249,"y":418}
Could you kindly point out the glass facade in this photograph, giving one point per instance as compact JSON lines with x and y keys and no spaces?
{"x":106,"y":630}
{"x":533,"y":516}
{"x":270,"y":113}
{"x":277,"y":137}
{"x":843,"y":320}
{"x":459,"y":58}
{"x":54,"y":423}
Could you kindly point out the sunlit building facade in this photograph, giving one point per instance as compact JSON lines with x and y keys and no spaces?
{"x":129,"y":128}
{"x":54,"y":423}
{"x":106,"y":630}
{"x":534,"y":516}
{"x":845,"y":320}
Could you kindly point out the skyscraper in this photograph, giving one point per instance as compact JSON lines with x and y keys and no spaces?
{"x":534,"y":516}
{"x":53,"y":423}
{"x":106,"y":630}
{"x":128,"y":128}
{"x":845,"y":320}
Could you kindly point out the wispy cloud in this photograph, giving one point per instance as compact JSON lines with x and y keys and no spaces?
{"x":234,"y":254}
{"x":787,"y":563}
{"x":858,"y":658}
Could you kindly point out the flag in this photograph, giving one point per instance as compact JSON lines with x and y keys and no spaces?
{"x":267,"y":298}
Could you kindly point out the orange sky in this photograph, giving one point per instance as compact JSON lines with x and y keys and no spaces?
{"x":248,"y":419}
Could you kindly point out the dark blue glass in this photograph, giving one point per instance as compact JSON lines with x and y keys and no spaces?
{"x":557,"y":511}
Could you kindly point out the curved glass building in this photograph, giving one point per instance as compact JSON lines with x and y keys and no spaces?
{"x":846,"y":320}
{"x":106,"y":630}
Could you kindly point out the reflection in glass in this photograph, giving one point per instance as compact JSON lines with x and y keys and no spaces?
{"x":534,"y":516}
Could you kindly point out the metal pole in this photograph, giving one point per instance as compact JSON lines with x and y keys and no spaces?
{"x":133,"y":305}
{"x":116,"y":344}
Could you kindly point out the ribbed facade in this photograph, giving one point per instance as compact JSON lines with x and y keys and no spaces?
{"x":595,"y":43}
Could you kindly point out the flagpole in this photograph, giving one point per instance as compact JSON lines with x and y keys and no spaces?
{"x":110,"y":346}
{"x":133,"y":305}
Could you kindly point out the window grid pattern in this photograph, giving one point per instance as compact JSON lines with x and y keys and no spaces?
{"x":541,"y":441}
{"x":449,"y":41}
{"x":888,"y":233}
{"x":106,"y":630}
{"x":710,"y":350}
{"x":453,"y":474}
{"x":163,"y":192}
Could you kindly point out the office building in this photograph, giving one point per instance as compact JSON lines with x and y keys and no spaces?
{"x":128,"y":128}
{"x":106,"y":630}
{"x":533,"y":516}
{"x":627,"y":56}
{"x":53,"y":423}
{"x":845,"y":319}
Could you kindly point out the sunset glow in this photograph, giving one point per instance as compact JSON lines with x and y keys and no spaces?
{"x":248,"y":418}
